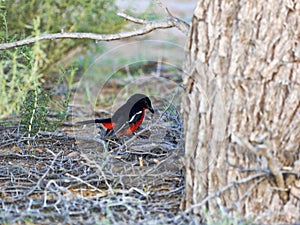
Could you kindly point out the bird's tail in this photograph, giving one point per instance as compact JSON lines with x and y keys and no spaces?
{"x":106,"y":120}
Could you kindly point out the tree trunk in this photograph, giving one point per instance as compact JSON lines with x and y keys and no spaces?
{"x":241,"y":110}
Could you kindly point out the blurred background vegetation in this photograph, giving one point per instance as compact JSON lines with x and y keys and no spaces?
{"x":23,"y":19}
{"x":24,"y":71}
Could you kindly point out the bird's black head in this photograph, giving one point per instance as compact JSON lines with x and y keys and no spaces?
{"x":142,"y":100}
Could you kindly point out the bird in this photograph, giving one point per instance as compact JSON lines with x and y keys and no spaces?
{"x":128,"y":118}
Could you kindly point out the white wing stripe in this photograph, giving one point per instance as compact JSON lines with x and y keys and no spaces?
{"x":132,"y":118}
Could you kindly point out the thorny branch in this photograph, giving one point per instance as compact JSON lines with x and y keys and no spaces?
{"x":149,"y":26}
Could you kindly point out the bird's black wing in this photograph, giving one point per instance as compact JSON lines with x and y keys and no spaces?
{"x":135,"y":115}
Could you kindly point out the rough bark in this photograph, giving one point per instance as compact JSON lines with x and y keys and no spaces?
{"x":241,"y":110}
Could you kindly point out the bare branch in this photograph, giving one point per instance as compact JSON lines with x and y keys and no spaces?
{"x":87,"y":184}
{"x":148,"y":27}
{"x":179,"y":23}
{"x":132,"y":19}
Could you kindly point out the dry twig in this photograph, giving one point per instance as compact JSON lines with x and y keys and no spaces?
{"x":148,"y":27}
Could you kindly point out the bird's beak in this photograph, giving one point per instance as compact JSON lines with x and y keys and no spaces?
{"x":151,"y":109}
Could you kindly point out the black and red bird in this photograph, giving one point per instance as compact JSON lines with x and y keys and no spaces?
{"x":127,"y":118}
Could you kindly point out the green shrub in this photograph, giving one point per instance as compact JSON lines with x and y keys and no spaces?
{"x":18,"y":74}
{"x":58,"y":16}
{"x":36,"y":108}
{"x":24,"y":68}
